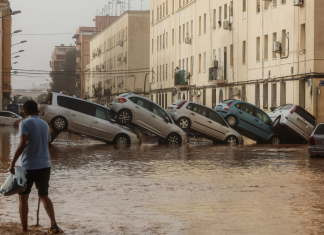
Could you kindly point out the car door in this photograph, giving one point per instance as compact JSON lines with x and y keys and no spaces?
{"x":158,"y":122}
{"x":12,"y":118}
{"x":216,"y":126}
{"x":198,"y":117}
{"x":141,"y":111}
{"x":245,"y":115}
{"x":82,"y":114}
{"x":261,"y":124}
{"x":101,"y":126}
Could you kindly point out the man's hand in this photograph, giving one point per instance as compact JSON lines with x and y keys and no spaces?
{"x":12,"y":169}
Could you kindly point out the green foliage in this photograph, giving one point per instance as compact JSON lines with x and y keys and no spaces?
{"x":40,"y":98}
{"x":23,"y":99}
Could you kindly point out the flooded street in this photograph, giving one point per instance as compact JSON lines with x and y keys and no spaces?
{"x":191,"y":189}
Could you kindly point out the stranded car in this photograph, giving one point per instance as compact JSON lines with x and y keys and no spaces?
{"x":295,"y":118}
{"x":249,"y":120}
{"x":316,"y":143}
{"x":205,"y":121}
{"x":139,"y":111}
{"x":79,"y":116}
{"x":8,"y":118}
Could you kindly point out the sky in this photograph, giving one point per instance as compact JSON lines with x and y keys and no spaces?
{"x":50,"y":17}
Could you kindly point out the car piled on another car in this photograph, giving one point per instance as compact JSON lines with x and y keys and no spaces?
{"x":250,"y":121}
{"x":204,"y":121}
{"x":316,"y":142}
{"x":66,"y":113}
{"x":150,"y":117}
{"x":8,"y":118}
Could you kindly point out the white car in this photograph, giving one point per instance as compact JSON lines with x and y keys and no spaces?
{"x":295,"y":118}
{"x":151,"y":117}
{"x":207,"y":122}
{"x":316,"y":143}
{"x":8,"y":118}
{"x":79,"y":116}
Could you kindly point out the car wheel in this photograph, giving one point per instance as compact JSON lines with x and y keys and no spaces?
{"x":276,"y":123}
{"x":124,"y":117}
{"x":59,"y":123}
{"x":184,"y":123}
{"x":276,"y":140}
{"x":174,"y":139}
{"x":231,"y":140}
{"x":231,"y":120}
{"x":122,"y":139}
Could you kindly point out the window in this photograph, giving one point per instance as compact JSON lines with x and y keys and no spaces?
{"x":266,"y":5}
{"x":64,"y":102}
{"x":302,"y":38}
{"x":204,"y":61}
{"x":157,"y":73}
{"x":231,"y":55}
{"x":282,"y":93}
{"x":166,"y":71}
{"x":199,"y":25}
{"x":265,"y":96}
{"x":162,"y":100}
{"x":243,"y":93}
{"x":172,"y":71}
{"x":103,"y":113}
{"x":199,"y":70}
{"x":232,"y":9}
{"x":191,"y":28}
{"x":172,"y":37}
{"x":157,"y":13}
{"x":244,"y":9}
{"x":157,"y":47}
{"x":257,"y":95}
{"x":172,"y":6}
{"x":163,"y":72}
{"x":152,"y":45}
{"x":302,"y":93}
{"x":192,"y":65}
{"x":200,"y":110}
{"x":246,"y":108}
{"x":274,"y":39}
{"x":161,"y":43}
{"x":167,"y":8}
{"x":216,"y":117}
{"x":319,"y":130}
{"x":163,"y":9}
{"x":274,"y":95}
{"x":220,"y":17}
{"x":161,"y":12}
{"x":143,"y":103}
{"x":159,"y":111}
{"x":274,"y":3}
{"x":258,"y":6}
{"x":283,"y":1}
{"x":166,"y":100}
{"x":259,"y":114}
{"x":183,"y":33}
{"x":214,"y":19}
{"x":265,"y":47}
{"x":205,"y":26}
{"x":152,"y":16}
{"x":243,"y":52}
{"x":283,"y":42}
{"x":166,"y":40}
{"x":258,"y":49}
{"x":225,"y":12}
{"x":179,"y":34}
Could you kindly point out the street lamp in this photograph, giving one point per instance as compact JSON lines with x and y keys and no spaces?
{"x":15,"y":57}
{"x":18,"y":52}
{"x":15,"y":63}
{"x":12,"y":13}
{"x":19,"y":43}
{"x":16,"y":31}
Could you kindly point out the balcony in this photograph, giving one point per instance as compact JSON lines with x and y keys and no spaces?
{"x":77,"y":42}
{"x":216,"y":76}
{"x":78,"y":53}
{"x":180,"y":79}
{"x":78,"y":65}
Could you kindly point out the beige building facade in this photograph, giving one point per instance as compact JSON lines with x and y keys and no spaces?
{"x":227,"y":51}
{"x":119,"y":58}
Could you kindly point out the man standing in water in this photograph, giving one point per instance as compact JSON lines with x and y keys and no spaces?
{"x":35,"y":140}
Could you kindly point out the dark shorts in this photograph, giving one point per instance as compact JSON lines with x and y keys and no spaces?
{"x":41,"y":178}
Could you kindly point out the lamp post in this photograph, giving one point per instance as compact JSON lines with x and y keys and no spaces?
{"x":18,"y":52}
{"x":12,"y":13}
{"x":16,"y":31}
{"x":15,"y":63}
{"x":18,"y":43}
{"x":15,"y":57}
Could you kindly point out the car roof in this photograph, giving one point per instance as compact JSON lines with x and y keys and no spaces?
{"x":198,"y":104}
{"x":59,"y":94}
{"x":134,"y":95}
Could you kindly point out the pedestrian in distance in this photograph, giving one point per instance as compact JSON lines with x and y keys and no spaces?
{"x":35,"y":141}
{"x":22,"y":114}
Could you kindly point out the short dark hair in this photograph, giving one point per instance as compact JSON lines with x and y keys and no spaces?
{"x":31,"y":107}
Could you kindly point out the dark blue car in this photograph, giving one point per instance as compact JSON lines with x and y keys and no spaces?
{"x":250,"y":120}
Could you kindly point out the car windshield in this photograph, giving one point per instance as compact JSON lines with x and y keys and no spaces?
{"x":178,"y":102}
{"x":319,"y":130}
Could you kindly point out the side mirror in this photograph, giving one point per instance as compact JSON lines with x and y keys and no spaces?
{"x":112,"y":120}
{"x":167,"y":120}
{"x":272,"y":109}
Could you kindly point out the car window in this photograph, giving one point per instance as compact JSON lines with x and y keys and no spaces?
{"x":64,"y":102}
{"x":238,"y":105}
{"x":2,"y":114}
{"x":216,"y":117}
{"x":144,"y":103}
{"x":12,"y":115}
{"x":133,"y":99}
{"x":319,"y":130}
{"x":190,"y":106}
{"x":247,"y":108}
{"x":306,"y":115}
{"x":178,"y":102}
{"x":84,"y":107}
{"x":103,"y":113}
{"x":262,"y":116}
{"x":200,"y":110}
{"x":159,"y":111}
{"x":279,"y":108}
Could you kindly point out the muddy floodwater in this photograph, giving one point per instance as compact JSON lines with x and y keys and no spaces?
{"x":198,"y":188}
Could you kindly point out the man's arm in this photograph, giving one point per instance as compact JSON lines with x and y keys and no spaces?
{"x":19,"y":151}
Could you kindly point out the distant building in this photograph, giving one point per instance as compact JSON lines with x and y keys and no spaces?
{"x":120,"y":47}
{"x":58,"y":56}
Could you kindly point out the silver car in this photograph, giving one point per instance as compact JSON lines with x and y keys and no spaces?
{"x":295,"y":118}
{"x":137,"y":110}
{"x":8,"y":118}
{"x":79,"y":116}
{"x":190,"y":115}
{"x":316,"y":143}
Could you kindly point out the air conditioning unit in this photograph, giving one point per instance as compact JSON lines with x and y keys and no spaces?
{"x":198,"y":93}
{"x":276,"y":47}
{"x":93,"y":54}
{"x":118,"y":58}
{"x":188,"y":40}
{"x":215,"y":63}
{"x":298,"y":2}
{"x":236,"y":91}
{"x":192,"y":92}
{"x":124,"y":59}
{"x":227,"y":25}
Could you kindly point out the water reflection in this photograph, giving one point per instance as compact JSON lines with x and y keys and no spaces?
{"x":189,"y":189}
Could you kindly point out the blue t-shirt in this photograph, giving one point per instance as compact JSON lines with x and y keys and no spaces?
{"x":36,"y":154}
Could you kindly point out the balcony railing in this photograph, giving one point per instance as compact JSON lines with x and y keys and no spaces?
{"x":179,"y":78}
{"x":78,"y":53}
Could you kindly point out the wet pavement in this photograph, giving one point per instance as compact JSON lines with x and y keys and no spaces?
{"x":197,"y":188}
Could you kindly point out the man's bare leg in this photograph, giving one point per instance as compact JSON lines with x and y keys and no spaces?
{"x":48,"y":205}
{"x":23,"y":210}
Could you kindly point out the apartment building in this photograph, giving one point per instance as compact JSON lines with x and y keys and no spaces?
{"x":58,"y":56}
{"x":116,"y":52}
{"x":5,"y":59}
{"x":267,"y":53}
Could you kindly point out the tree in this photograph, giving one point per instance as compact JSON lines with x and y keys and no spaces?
{"x":64,"y":81}
{"x":23,"y":99}
{"x":41,"y":98}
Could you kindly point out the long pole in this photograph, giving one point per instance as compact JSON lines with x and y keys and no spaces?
{"x":145,"y":82}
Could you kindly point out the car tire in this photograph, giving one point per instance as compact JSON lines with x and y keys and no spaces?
{"x":231,"y":120}
{"x":276,"y":123}
{"x":276,"y":140}
{"x":59,"y":123}
{"x":124,"y":117}
{"x":122,"y":139}
{"x":231,"y":140}
{"x":184,"y":123}
{"x":174,"y":139}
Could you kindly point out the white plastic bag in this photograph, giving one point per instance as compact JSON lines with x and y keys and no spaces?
{"x":15,"y":183}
